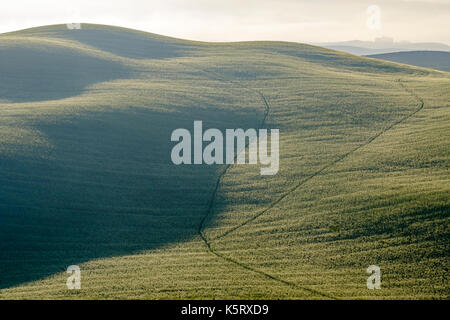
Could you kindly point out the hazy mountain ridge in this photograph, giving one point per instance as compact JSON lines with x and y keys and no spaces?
{"x":364,"y":48}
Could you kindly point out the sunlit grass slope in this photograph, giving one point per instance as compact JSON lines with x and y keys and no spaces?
{"x":86,"y":177}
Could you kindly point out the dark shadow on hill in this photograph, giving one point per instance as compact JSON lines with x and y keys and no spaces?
{"x":109,"y":188}
{"x":122,"y":42}
{"x":50,"y":73}
{"x":130,"y":45}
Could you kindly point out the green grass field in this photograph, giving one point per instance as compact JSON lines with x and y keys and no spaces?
{"x":86,"y":178}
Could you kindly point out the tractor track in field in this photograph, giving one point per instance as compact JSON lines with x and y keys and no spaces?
{"x":227,"y":166}
{"x":216,"y":188}
{"x":327,"y":166}
{"x":290,"y":191}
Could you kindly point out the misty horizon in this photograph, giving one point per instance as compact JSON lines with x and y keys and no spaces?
{"x":324,"y":21}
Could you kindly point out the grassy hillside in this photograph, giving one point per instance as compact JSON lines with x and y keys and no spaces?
{"x":86,"y":177}
{"x":438,"y":60}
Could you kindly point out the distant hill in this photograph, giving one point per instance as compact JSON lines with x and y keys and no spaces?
{"x":363,"y":48}
{"x":438,"y":60}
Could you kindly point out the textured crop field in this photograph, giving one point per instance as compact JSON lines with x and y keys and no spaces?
{"x":86,"y":176}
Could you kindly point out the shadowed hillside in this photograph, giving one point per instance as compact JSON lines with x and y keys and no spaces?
{"x":49,"y":72}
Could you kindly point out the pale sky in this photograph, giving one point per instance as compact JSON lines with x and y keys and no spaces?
{"x":236,"y":20}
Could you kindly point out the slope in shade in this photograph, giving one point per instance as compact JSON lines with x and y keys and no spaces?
{"x":105,"y":186}
{"x":36,"y":73}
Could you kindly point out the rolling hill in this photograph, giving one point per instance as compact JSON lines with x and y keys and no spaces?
{"x":86,"y":178}
{"x":383,"y":45}
{"x":438,"y":60}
